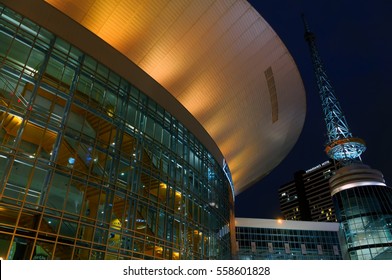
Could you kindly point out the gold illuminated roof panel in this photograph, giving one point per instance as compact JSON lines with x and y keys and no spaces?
{"x":212,"y":56}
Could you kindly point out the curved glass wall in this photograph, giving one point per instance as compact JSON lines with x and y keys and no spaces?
{"x":91,"y":168}
{"x":364,"y":207}
{"x":366,"y":221}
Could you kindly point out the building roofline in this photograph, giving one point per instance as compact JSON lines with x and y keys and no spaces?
{"x":66,"y":28}
{"x":286,"y":224}
{"x":217,"y":66}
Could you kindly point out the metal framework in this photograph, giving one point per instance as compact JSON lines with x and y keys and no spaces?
{"x":341,"y":145}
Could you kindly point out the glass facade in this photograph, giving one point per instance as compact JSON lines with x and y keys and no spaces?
{"x":364,"y":208}
{"x":366,"y":221}
{"x":285,"y":243}
{"x":91,"y":168}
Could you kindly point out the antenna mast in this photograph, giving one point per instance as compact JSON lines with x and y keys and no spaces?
{"x":341,"y":145}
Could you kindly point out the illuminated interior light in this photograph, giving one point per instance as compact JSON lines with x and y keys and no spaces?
{"x":17,"y":118}
{"x":71,"y":160}
{"x":116,"y":224}
{"x":110,"y":112}
{"x":130,"y":126}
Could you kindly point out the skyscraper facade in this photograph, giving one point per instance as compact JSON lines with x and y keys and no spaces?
{"x":308,"y":196}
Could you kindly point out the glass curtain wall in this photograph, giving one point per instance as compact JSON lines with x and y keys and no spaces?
{"x":287,"y":244}
{"x":91,"y":168}
{"x":366,"y":221}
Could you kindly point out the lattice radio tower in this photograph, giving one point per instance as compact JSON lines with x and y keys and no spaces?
{"x":341,"y":146}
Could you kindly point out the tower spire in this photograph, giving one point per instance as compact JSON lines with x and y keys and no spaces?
{"x":341,"y":145}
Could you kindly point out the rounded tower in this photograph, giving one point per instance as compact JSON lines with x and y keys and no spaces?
{"x":363,"y":205}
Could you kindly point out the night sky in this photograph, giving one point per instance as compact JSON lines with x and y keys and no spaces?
{"x":354,"y":39}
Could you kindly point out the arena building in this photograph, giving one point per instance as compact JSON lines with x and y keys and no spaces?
{"x":128,"y":127}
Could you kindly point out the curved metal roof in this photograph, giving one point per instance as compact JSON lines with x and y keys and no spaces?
{"x":221,"y":60}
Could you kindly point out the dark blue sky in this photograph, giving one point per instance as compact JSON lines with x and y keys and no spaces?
{"x":354,"y":39}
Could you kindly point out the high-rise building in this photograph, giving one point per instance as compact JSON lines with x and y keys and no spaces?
{"x":263,"y":239}
{"x":308,"y":196}
{"x":363,"y":201}
{"x":128,"y":127}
